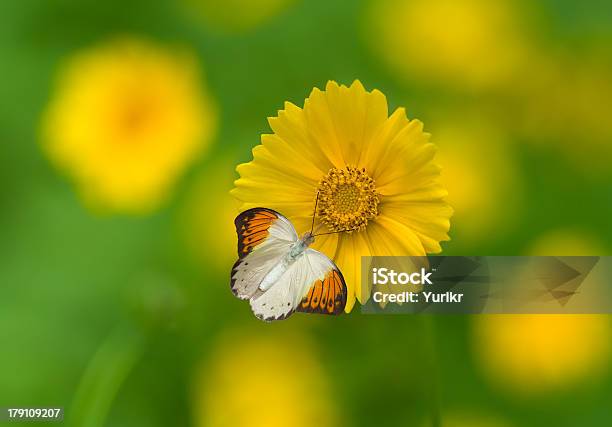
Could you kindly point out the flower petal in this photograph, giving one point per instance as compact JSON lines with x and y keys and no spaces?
{"x":252,"y":193}
{"x":407,"y":154}
{"x":348,"y":258}
{"x":321,"y":127}
{"x":271,"y":180}
{"x":429,"y":189}
{"x":343,"y":120}
{"x":392,"y":237}
{"x":327,"y":245}
{"x":374,"y":153}
{"x":348,"y":126}
{"x":290,"y":126}
{"x":429,"y":221}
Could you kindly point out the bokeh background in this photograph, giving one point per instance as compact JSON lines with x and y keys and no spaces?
{"x":121,"y":123}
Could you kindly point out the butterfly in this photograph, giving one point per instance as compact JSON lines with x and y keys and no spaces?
{"x":279,"y":273}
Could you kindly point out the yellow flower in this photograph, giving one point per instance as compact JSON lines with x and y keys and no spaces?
{"x":374,"y":173}
{"x":459,"y":42}
{"x":126,"y":119}
{"x":263,"y":379}
{"x":539,"y":353}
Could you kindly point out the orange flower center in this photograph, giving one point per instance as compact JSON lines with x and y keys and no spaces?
{"x":347,"y":199}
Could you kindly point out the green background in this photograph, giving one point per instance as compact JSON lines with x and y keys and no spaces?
{"x":107,"y":316}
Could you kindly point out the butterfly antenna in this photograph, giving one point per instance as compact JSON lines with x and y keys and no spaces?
{"x":334,"y":232}
{"x":314,"y":214}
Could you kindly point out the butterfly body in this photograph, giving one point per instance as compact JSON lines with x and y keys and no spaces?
{"x":296,"y":251}
{"x":301,"y":245}
{"x":279,"y":273}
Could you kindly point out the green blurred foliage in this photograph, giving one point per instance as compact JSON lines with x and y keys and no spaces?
{"x":108,"y":316}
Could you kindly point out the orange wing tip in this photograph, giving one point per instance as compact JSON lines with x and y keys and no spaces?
{"x":327,"y":296}
{"x":252,"y":228}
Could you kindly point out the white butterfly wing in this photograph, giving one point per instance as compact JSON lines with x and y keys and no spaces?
{"x":264,"y":238}
{"x":312,"y":284}
{"x":327,"y":294}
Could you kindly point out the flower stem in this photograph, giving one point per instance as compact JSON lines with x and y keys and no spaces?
{"x":105,"y":374}
{"x":431,"y":362}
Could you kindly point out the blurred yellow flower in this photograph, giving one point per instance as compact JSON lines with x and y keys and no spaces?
{"x":374,"y":173}
{"x":456,"y":42}
{"x":480,"y":174}
{"x":465,"y":418}
{"x":564,"y":100}
{"x":235,"y":16}
{"x":125,"y":120}
{"x":539,"y":353}
{"x":567,"y":242}
{"x":207,"y":219}
{"x":265,"y":379}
